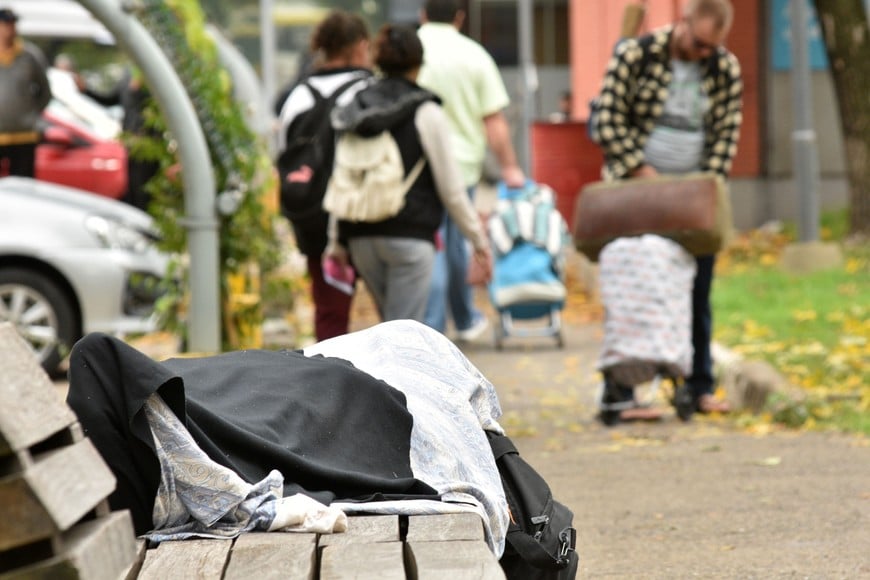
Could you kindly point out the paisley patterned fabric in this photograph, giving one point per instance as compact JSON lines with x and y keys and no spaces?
{"x":200,"y":498}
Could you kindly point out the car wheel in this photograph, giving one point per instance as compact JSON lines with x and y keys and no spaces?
{"x":41,"y":312}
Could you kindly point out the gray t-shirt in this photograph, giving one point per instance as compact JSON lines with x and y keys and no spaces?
{"x":676,"y":145}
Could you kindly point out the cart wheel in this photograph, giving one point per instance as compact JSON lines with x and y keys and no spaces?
{"x":560,"y":340}
{"x":499,"y":337}
{"x":684,"y":403}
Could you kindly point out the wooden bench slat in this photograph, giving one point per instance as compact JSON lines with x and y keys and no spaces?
{"x":132,"y":571}
{"x":366,"y":530}
{"x":51,"y":495}
{"x":380,"y":561}
{"x":32,"y":410}
{"x":22,"y":517}
{"x":71,"y":481}
{"x":101,"y":548}
{"x":189,"y":559}
{"x":439,"y":527}
{"x":274,"y":555}
{"x":456,"y":560}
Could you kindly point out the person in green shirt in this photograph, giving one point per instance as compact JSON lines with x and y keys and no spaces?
{"x":464,"y":75}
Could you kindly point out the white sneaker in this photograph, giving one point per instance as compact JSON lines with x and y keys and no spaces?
{"x":473,"y":332}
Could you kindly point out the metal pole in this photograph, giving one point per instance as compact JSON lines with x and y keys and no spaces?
{"x":805,"y":156}
{"x":267,"y":52}
{"x":529,"y":80}
{"x":199,"y":183}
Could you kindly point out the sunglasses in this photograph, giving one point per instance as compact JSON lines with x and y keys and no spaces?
{"x":698,"y":44}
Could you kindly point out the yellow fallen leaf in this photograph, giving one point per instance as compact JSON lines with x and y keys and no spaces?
{"x":769,"y":461}
{"x":804,"y":315}
{"x":854,"y":265}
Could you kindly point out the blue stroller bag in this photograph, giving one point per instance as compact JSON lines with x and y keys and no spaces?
{"x":528,"y":237}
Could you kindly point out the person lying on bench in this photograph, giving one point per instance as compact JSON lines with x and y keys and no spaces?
{"x":390,"y":419}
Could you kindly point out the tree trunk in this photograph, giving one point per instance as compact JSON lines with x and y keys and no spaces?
{"x":847,"y":41}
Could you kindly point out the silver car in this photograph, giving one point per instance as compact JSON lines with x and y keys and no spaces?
{"x":72,"y":263}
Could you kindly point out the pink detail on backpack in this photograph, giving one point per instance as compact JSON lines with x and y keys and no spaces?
{"x":301,"y":175}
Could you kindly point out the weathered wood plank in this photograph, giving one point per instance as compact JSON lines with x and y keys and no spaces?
{"x":135,"y":566}
{"x":457,"y":560}
{"x":23,"y":519}
{"x":381,"y":561}
{"x":32,"y":410}
{"x":53,"y":493}
{"x":188,"y":559}
{"x":275,"y":555}
{"x":97,"y":549}
{"x":438,"y":527}
{"x":365,"y":530}
{"x":71,"y":481}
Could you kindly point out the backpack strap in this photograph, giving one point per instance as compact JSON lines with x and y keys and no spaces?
{"x":337,"y":92}
{"x":310,"y":122}
{"x":414,"y":173}
{"x":529,"y":549}
{"x":500,"y":444}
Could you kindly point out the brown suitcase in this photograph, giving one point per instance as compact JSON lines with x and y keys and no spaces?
{"x":693,"y":210}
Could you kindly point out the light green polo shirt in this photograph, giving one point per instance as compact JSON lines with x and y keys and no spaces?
{"x":464,"y":75}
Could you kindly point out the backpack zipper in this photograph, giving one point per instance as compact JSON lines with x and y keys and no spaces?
{"x":540,"y":521}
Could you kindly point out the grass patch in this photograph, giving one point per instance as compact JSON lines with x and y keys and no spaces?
{"x":814,"y":328}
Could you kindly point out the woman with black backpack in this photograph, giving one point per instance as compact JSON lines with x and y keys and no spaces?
{"x":306,"y":148}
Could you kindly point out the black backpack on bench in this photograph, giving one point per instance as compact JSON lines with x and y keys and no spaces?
{"x":541,"y":539}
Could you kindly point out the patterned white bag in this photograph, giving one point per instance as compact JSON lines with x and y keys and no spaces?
{"x":646,"y":288}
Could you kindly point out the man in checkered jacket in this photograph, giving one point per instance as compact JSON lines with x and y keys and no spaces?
{"x":671,"y":103}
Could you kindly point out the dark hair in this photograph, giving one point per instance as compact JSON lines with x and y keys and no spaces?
{"x":397,"y":49}
{"x":7,"y":15}
{"x":337,"y":32}
{"x":441,"y":10}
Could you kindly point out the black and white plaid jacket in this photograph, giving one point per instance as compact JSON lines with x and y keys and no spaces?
{"x":633,"y":94}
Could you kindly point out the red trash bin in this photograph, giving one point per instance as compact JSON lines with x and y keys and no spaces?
{"x":564,"y":158}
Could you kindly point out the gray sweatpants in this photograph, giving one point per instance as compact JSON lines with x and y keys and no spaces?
{"x":397,"y":272}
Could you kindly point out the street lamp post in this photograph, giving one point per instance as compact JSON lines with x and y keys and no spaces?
{"x":267,"y":52}
{"x":805,"y":155}
{"x":528,"y":80}
{"x":199,"y":182}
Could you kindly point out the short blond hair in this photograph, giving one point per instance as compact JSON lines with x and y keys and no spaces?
{"x":721,"y":11}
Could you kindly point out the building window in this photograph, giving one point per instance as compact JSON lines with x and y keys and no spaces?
{"x":494,"y":24}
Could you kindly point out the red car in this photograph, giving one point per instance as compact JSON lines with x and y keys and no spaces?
{"x":80,"y":146}
{"x":74,"y":154}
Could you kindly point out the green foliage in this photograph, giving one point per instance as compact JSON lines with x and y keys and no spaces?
{"x":814,"y":328}
{"x":241,"y":162}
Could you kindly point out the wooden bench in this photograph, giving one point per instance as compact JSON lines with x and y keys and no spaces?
{"x":55,"y":521}
{"x":433,"y":547}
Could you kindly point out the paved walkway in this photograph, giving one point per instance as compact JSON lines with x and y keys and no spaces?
{"x":703,"y":499}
